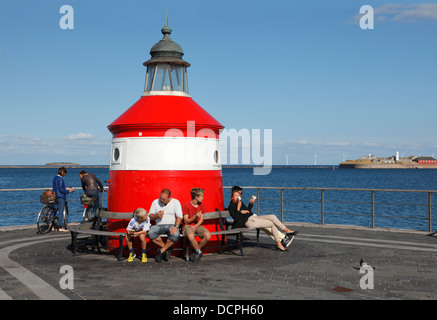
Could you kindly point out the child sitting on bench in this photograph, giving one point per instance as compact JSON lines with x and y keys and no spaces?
{"x":138,"y":226}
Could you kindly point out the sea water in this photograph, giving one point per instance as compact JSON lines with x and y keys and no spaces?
{"x":340,"y":207}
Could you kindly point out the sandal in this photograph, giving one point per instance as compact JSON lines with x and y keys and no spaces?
{"x":277,"y":248}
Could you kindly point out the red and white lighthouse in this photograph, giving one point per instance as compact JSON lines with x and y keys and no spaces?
{"x":164,"y":140}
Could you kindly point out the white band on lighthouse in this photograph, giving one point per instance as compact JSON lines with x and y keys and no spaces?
{"x":165,"y":153}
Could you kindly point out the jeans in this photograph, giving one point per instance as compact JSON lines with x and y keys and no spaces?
{"x":61,"y":206}
{"x":95,"y":194}
{"x":156,"y":230}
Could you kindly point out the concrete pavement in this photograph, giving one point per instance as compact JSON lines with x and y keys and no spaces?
{"x":321,"y":263}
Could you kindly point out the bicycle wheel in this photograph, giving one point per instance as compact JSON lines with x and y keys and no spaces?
{"x":65,"y":213}
{"x":86,"y":214}
{"x":45,"y":219}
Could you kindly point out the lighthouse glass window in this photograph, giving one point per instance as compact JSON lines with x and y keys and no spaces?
{"x":166,"y":77}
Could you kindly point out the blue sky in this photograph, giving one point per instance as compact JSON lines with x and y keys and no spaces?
{"x":304,"y":69}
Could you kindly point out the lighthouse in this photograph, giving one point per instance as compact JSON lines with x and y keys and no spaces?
{"x":165,"y":140}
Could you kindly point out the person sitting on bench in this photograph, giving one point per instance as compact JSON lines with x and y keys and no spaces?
{"x":138,"y":226}
{"x":243,"y":217}
{"x":193,"y":212}
{"x":167,"y":213}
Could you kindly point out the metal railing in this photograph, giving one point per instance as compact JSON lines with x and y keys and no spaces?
{"x":35,"y":205}
{"x":381,"y":209}
{"x":367,"y":207}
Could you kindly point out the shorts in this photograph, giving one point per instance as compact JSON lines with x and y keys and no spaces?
{"x":200,"y":231}
{"x":158,"y":229}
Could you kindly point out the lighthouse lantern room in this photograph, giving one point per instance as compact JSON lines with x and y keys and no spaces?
{"x":166,"y":71}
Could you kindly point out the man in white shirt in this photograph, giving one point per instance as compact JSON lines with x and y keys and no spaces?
{"x":167,"y":213}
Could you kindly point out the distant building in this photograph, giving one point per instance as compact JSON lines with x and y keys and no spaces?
{"x":425,"y":160}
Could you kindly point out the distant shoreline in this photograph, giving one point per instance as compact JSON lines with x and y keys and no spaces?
{"x":107,"y":166}
{"x":51,"y":166}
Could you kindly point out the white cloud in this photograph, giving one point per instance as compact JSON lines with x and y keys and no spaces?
{"x":371,"y":144}
{"x":395,"y":12}
{"x":81,"y":148}
{"x":339,"y":144}
{"x":407,"y":13}
{"x":79,"y":136}
{"x":306,"y":142}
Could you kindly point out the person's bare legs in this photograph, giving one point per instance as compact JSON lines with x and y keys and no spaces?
{"x":164,"y":246}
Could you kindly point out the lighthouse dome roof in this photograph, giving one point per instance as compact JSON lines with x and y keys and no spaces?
{"x":166,"y":50}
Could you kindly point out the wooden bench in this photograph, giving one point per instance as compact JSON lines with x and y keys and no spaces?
{"x":224,"y":225}
{"x":86,"y":228}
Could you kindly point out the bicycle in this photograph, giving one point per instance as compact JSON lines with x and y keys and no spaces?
{"x":88,"y":204}
{"x":48,"y":215}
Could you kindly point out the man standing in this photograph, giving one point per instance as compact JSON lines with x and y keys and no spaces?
{"x":193,"y":218}
{"x":90,"y":185}
{"x":167,"y":213}
{"x":61,"y":195}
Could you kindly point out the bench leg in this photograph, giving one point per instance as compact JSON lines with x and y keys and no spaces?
{"x":241,"y":243}
{"x":222,"y":244}
{"x":257,"y":236}
{"x":182,"y":243}
{"x":74,"y":243}
{"x":96,"y":243}
{"x":187,"y":249}
{"x":120,"y":248}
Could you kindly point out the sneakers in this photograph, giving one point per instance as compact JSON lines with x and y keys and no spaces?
{"x":289,"y":238}
{"x":143,"y":258}
{"x":166,"y":255}
{"x":287,"y":241}
{"x":131,"y":257}
{"x":195,"y":256}
{"x":158,"y":256}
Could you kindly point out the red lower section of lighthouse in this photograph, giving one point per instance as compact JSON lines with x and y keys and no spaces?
{"x":129,"y":190}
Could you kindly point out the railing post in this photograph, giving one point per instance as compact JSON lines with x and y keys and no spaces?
{"x":429,"y":213}
{"x":322,"y":206}
{"x":372,"y":204}
{"x":282,"y":205}
{"x":257,"y":203}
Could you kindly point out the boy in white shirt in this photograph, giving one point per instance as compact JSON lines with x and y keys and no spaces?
{"x":138,"y":226}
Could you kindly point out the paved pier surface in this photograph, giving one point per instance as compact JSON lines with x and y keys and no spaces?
{"x":321,"y":263}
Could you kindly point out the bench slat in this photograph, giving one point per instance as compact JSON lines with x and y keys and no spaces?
{"x":96,"y":232}
{"x":116,"y":215}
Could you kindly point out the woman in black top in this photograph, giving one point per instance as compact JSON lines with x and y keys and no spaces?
{"x":243,"y":217}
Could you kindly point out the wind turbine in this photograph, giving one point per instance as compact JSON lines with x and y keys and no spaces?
{"x":315,"y":159}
